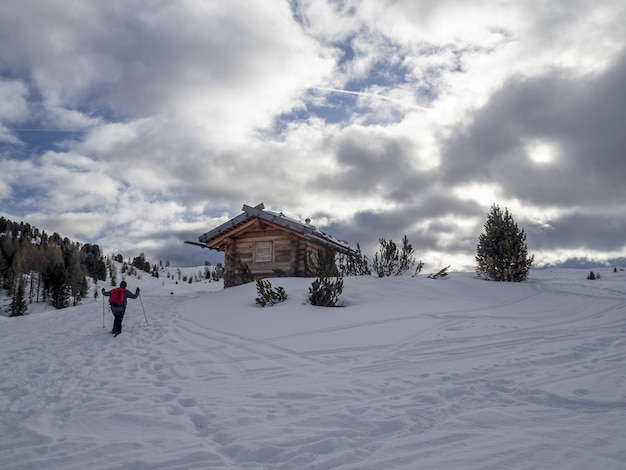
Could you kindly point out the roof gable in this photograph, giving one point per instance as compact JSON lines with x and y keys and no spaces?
{"x":242,"y":221}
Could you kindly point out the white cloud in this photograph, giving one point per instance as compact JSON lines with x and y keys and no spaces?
{"x":85,"y":226}
{"x":13,"y":101}
{"x":5,"y":189}
{"x":8,"y":136}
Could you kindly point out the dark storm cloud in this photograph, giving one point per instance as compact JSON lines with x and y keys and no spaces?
{"x":581,"y":231}
{"x":168,"y":245}
{"x":181,"y":254}
{"x":373,"y":162}
{"x":585,"y":117}
{"x":429,"y":224}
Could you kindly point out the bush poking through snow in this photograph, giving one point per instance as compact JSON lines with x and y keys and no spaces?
{"x":328,"y":286}
{"x":353,"y":265}
{"x":418,"y":268}
{"x":443,"y":272}
{"x":325,"y":291}
{"x":322,"y":263}
{"x":268,"y":295}
{"x":244,"y":272}
{"x":391,"y":260}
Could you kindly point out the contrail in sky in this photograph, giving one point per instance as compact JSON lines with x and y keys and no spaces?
{"x":42,"y":130}
{"x":373,"y":95}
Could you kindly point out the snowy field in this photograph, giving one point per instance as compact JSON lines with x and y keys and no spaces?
{"x":412,"y":373}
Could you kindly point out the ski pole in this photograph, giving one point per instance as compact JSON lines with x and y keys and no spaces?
{"x":144,"y":310}
{"x":103,"y":311}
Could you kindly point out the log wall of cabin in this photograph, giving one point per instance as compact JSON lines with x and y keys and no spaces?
{"x":289,"y":254}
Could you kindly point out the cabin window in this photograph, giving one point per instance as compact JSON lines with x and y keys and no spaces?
{"x":263,"y":252}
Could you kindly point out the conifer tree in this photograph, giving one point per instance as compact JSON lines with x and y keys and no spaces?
{"x":328,"y":286}
{"x":502,"y":253}
{"x":393,"y":260}
{"x":18,"y":302}
{"x":58,"y":286}
{"x":407,"y":257}
{"x":355,"y":264}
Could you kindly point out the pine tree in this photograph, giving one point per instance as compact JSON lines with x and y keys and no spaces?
{"x":326,"y":289}
{"x":218,"y":272}
{"x":407,"y":257}
{"x":354,"y":264}
{"x":502,"y":254}
{"x":321,"y":263}
{"x":58,"y":286}
{"x":76,"y":274}
{"x":393,"y":260}
{"x":18,"y":302}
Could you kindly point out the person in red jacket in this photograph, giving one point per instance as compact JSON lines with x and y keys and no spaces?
{"x":117,"y":302}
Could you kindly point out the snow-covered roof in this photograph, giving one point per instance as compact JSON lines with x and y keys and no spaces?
{"x":280,"y":219}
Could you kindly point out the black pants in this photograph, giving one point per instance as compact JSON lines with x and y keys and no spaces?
{"x":117,"y":322}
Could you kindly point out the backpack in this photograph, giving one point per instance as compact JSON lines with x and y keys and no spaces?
{"x":117,"y":297}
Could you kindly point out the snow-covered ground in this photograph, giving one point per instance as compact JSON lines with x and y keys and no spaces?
{"x":412,"y":373}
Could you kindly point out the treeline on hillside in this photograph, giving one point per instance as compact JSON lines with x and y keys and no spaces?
{"x":139,"y":263}
{"x":37,"y":267}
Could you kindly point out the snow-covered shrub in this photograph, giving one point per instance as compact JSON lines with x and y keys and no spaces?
{"x":353,"y":265}
{"x":244,"y":272}
{"x":325,"y":291}
{"x":393,"y":260}
{"x":321,"y":263}
{"x":328,"y":286}
{"x":443,"y":272}
{"x":269,"y":295}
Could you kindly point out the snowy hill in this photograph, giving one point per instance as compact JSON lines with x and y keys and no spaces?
{"x":456,"y":373}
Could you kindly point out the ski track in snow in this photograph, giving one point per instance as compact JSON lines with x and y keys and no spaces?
{"x":412,"y":373}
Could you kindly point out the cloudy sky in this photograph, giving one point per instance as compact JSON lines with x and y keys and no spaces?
{"x":138,"y":125}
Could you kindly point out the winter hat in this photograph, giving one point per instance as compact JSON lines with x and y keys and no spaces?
{"x":123,"y":284}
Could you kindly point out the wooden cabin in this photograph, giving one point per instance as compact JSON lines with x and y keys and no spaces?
{"x":269,"y":243}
